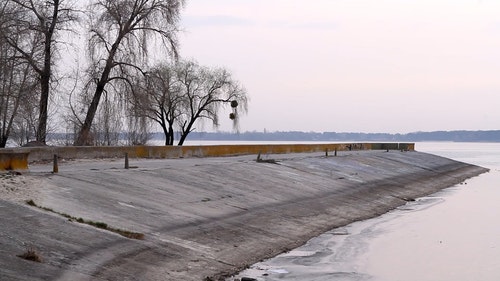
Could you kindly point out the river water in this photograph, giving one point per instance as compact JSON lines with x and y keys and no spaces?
{"x":451,"y":235}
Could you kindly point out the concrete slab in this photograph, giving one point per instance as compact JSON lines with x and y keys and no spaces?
{"x":201,"y":217}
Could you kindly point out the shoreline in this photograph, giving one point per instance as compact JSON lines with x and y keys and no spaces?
{"x":211,"y":217}
{"x":435,"y":235}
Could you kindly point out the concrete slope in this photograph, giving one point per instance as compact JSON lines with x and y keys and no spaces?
{"x":204,"y":217}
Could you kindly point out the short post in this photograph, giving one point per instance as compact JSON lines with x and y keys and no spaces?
{"x":335,"y":151}
{"x":126,"y":160}
{"x":326,"y":152}
{"x":55,"y":167}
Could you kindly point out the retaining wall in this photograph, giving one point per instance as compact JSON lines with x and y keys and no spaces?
{"x":18,"y":158}
{"x":13,"y":160}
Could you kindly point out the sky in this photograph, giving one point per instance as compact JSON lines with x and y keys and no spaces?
{"x":392,"y":66}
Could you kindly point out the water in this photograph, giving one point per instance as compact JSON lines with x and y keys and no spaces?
{"x":451,"y":235}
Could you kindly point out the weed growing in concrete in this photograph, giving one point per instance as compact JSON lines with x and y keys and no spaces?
{"x":48,"y":209}
{"x":97,"y":224}
{"x":272,"y":161}
{"x":66,"y":216}
{"x":31,"y":203}
{"x":31,"y":255}
{"x":101,"y":225}
{"x":260,"y":160}
{"x":128,"y":234}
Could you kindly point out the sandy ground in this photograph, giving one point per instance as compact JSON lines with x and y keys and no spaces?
{"x":202,"y":218}
{"x":19,"y":187}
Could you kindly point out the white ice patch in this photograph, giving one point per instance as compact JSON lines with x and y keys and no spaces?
{"x":278,"y":271}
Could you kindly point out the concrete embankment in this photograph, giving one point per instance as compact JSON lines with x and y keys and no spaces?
{"x":19,"y":157}
{"x":203,"y":217}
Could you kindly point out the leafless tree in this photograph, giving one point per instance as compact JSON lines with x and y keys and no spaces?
{"x":158,"y":98}
{"x":38,"y":24}
{"x":10,"y":91}
{"x":177,"y":96}
{"x":204,"y":91}
{"x":138,"y":129}
{"x":24,"y":126}
{"x":121,"y":31}
{"x":108,"y":125}
{"x":16,"y":80}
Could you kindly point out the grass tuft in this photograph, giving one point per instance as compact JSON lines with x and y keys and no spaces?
{"x":101,"y":225}
{"x":97,"y":224}
{"x":31,"y":255}
{"x":129,"y":234}
{"x":65,"y":215}
{"x":31,"y":203}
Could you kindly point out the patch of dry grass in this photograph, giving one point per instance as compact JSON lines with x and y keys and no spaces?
{"x":31,"y":255}
{"x":101,"y":225}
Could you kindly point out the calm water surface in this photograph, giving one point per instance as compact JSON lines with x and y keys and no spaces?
{"x":451,"y":235}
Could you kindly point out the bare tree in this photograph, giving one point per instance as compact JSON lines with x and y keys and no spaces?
{"x":177,"y":96}
{"x":16,"y":80}
{"x":205,"y":90}
{"x":138,"y":130}
{"x":158,"y":98}
{"x":118,"y":45}
{"x":24,"y":126}
{"x":39,"y":23}
{"x":109,"y":125}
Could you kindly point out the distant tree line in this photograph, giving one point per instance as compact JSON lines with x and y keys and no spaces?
{"x":129,"y":77}
{"x":456,"y":136}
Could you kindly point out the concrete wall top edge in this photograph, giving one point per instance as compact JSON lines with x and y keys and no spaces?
{"x":47,"y":153}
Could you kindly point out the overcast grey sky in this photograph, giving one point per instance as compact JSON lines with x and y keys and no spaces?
{"x":354,"y":65}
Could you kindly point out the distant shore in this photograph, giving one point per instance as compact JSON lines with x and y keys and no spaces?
{"x":452,"y":136}
{"x":157,"y":138}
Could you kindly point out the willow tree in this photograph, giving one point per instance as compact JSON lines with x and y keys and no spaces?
{"x":121,"y":36}
{"x":32,"y":28}
{"x":179,"y":95}
{"x":204,"y":91}
{"x":158,"y":98}
{"x":17,"y":79}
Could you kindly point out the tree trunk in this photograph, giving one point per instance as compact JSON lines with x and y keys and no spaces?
{"x":171,"y":133}
{"x":185,"y":132}
{"x":3,"y":141}
{"x":41,"y":133}
{"x":166,"y":133}
{"x":84,"y":137}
